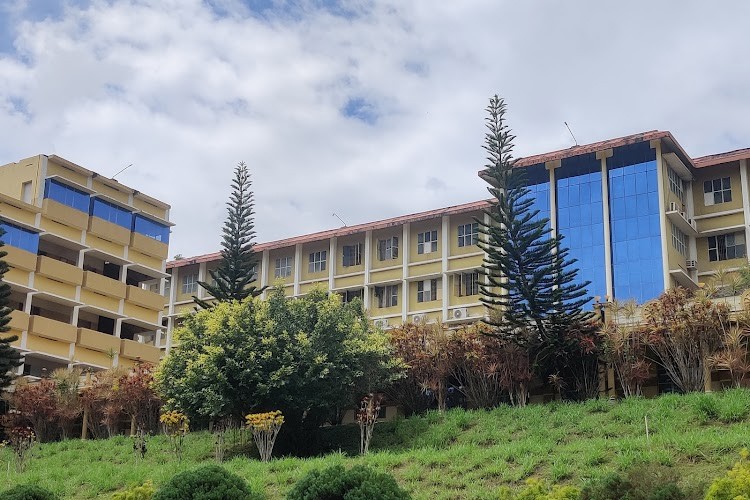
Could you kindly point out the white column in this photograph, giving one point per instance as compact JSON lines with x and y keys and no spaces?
{"x":74,"y":316}
{"x":297,"y":267}
{"x":445,"y":253}
{"x":405,"y":273}
{"x":332,"y":258}
{"x":656,"y":144}
{"x":368,"y":265}
{"x":745,"y":200}
{"x":603,"y":155}
{"x":551,"y":166}
{"x":264,"y":265}
{"x":201,"y":278}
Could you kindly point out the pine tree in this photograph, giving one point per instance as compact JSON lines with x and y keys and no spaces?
{"x":236,"y":271}
{"x":9,"y":357}
{"x":532,"y":286}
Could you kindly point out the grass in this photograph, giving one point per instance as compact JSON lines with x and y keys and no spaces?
{"x":458,"y":454}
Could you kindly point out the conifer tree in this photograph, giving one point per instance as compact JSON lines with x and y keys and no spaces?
{"x":236,"y":271}
{"x":532,"y":286}
{"x":9,"y":357}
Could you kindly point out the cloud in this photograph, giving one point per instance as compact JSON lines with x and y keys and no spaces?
{"x":365,"y":109}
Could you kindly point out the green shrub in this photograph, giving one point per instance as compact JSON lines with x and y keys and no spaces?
{"x":143,"y":492}
{"x":209,"y":482}
{"x":649,"y":482}
{"x":539,"y":490}
{"x":735,"y":485}
{"x":337,"y":483}
{"x":707,"y":408}
{"x":28,"y":492}
{"x":734,"y":406}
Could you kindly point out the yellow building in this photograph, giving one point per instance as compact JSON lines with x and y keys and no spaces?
{"x":87,"y":266}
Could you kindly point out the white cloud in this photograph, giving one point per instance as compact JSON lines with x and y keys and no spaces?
{"x":184,"y":94}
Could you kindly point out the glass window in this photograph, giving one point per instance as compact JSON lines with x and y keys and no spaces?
{"x":67,"y":195}
{"x":352,"y":255}
{"x":150,"y":228}
{"x":427,"y":242}
{"x":111,"y":213}
{"x":427,"y":290}
{"x":19,"y":237}
{"x":679,"y":239}
{"x":676,"y":184}
{"x":349,"y":295}
{"x":388,"y":248}
{"x":317,"y":262}
{"x":717,"y":191}
{"x":467,"y":234}
{"x":190,"y":283}
{"x":387,"y":296}
{"x":726,"y":247}
{"x":467,"y":284}
{"x":283,"y":267}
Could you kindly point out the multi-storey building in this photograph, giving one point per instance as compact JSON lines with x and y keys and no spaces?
{"x":638,"y":213}
{"x":84,"y":253}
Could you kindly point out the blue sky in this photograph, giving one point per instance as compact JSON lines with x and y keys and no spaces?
{"x":369,"y":109}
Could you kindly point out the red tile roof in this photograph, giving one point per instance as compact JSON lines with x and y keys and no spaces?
{"x":716,"y":159}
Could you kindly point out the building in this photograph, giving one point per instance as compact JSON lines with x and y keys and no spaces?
{"x":638,"y":213}
{"x":87,"y":266}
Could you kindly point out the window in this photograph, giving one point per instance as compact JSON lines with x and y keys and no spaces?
{"x":467,"y":234}
{"x":26,"y":192}
{"x":190,"y":283}
{"x":427,"y":290}
{"x":317,"y":262}
{"x":150,"y":228}
{"x":676,"y":185}
{"x":717,"y":191}
{"x":20,"y":238}
{"x":352,"y":255}
{"x":726,"y":246}
{"x":68,"y":196}
{"x":111,"y":213}
{"x":387,"y":296}
{"x":679,"y":239}
{"x":349,"y":295}
{"x":388,"y":248}
{"x":283,"y":267}
{"x":467,"y":284}
{"x":427,"y":242}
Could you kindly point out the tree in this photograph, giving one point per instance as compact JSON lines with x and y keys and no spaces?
{"x":9,"y":357}
{"x":532,"y":284}
{"x":625,"y":347}
{"x":236,"y":269}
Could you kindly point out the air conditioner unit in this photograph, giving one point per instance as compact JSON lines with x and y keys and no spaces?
{"x":461,"y":313}
{"x":419,"y":318}
{"x":691,"y":264}
{"x":381,"y":323}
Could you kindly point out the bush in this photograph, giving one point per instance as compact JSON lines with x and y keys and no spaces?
{"x":647,"y":483}
{"x":337,"y":483}
{"x":209,"y":482}
{"x":736,"y":483}
{"x":143,"y":492}
{"x":707,"y":408}
{"x":28,"y":492}
{"x":538,"y":490}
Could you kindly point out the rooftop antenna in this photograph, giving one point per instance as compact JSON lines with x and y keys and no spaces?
{"x":339,"y":218}
{"x":121,"y":171}
{"x":571,"y":133}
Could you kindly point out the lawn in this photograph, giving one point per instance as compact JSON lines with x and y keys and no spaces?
{"x":458,"y":454}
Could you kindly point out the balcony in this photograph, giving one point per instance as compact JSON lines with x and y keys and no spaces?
{"x":135,"y":350}
{"x":64,"y":214}
{"x":98,"y":341}
{"x":679,"y":218}
{"x":104,"y":285}
{"x":145,"y":298}
{"x":52,"y":329}
{"x":19,"y":321}
{"x":148,"y":246}
{"x":109,"y":231}
{"x":59,"y":271}
{"x":20,"y":259}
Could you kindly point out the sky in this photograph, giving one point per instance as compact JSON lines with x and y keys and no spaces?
{"x":365,"y":109}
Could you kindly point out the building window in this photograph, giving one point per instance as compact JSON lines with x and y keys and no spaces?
{"x":427,"y":242}
{"x":111,"y":213}
{"x":352,"y":255}
{"x":467,"y":284}
{"x":388,"y":248}
{"x":283,"y":267}
{"x":68,"y":196}
{"x":467,"y":234}
{"x":190,"y":283}
{"x":387,"y":296}
{"x":349,"y":295}
{"x":676,"y":184}
{"x":317,"y":262}
{"x":26,"y":192}
{"x":717,"y":191}
{"x":679,"y":239}
{"x":19,"y":237}
{"x":427,"y":290}
{"x":726,"y":246}
{"x":150,"y":228}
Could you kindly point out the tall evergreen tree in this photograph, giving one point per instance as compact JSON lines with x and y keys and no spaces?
{"x":236,"y":271}
{"x":532,"y":283}
{"x":9,"y":357}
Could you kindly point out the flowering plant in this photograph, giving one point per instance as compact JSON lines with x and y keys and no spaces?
{"x":176,"y":425}
{"x":265,"y":427}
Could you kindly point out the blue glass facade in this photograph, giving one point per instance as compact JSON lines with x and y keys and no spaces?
{"x":580,"y":218}
{"x":66,"y":195}
{"x":537,"y":180}
{"x":634,"y":223}
{"x":111,"y":213}
{"x":150,"y":228}
{"x":20,"y":238}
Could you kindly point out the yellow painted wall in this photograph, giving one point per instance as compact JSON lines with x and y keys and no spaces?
{"x":91,"y":357}
{"x":149,"y":246}
{"x":376,"y":263}
{"x":425,"y":269}
{"x":94,"y":299}
{"x":48,"y":346}
{"x":18,"y":214}
{"x":66,"y":173}
{"x":309,"y":287}
{"x":456,"y":221}
{"x":384,"y":311}
{"x":709,"y":173}
{"x":97,"y":341}
{"x":317,"y":246}
{"x":277,"y":254}
{"x":18,"y":276}
{"x":60,"y":229}
{"x":105,"y":246}
{"x":721,"y":221}
{"x":420,"y":227}
{"x":134,"y":311}
{"x":469,"y":262}
{"x":59,"y":271}
{"x":676,"y":259}
{"x":145,"y":260}
{"x":13,"y":175}
{"x":350,"y":281}
{"x":54,"y":287}
{"x":149,"y":208}
{"x":19,"y":258}
{"x":386,"y":275}
{"x":340,"y":244}
{"x":705,"y":265}
{"x":109,"y":231}
{"x":104,"y":189}
{"x":430,"y":317}
{"x":414,"y":305}
{"x":669,"y":196}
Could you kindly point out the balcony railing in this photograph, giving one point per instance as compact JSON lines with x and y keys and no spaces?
{"x":52,"y":329}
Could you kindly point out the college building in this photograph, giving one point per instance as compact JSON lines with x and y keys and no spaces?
{"x":87,"y":259}
{"x":638,"y":213}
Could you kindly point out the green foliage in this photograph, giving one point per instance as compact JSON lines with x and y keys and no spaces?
{"x":144,"y":491}
{"x":304,"y":356}
{"x":539,"y":490}
{"x":733,"y":406}
{"x":236,"y":270}
{"x":10,"y":358}
{"x":209,"y":482}
{"x":28,"y":492}
{"x":337,"y":483}
{"x":735,"y":485}
{"x":641,"y":483}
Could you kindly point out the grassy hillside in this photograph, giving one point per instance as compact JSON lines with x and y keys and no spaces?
{"x":459,"y":454}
